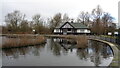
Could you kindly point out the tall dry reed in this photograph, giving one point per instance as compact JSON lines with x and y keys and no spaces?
{"x":81,"y":41}
{"x":23,"y":41}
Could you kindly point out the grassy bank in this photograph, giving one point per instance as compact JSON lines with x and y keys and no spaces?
{"x":24,"y":40}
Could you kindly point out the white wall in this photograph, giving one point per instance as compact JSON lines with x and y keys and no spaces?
{"x":67,"y":26}
{"x":56,"y":30}
{"x":78,"y":30}
{"x":87,"y":31}
{"x":83,"y":31}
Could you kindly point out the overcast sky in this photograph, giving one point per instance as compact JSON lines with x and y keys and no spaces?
{"x":48,"y":8}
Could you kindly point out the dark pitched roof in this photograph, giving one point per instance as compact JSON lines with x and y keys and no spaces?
{"x":75,"y":25}
{"x":79,"y":25}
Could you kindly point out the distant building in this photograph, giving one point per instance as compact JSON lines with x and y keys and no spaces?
{"x":71,"y":28}
{"x":112,"y":25}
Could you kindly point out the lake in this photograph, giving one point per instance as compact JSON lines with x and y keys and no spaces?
{"x":58,"y":52}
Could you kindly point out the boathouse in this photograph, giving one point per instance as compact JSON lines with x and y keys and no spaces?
{"x":72,"y":28}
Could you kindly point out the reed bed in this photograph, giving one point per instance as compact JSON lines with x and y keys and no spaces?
{"x":81,"y":40}
{"x":23,"y":41}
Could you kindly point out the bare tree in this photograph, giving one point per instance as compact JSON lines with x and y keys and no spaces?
{"x":37,"y":19}
{"x":84,"y":17}
{"x":25,"y":27}
{"x":81,"y":17}
{"x":65,"y":18}
{"x":107,"y":19}
{"x":87,"y":17}
{"x":55,"y":21}
{"x":78,"y":20}
{"x":97,"y":27}
{"x":38,"y":23}
{"x":13,"y":20}
{"x":97,"y":12}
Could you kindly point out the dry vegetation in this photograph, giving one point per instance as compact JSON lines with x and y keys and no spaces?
{"x":81,"y":40}
{"x":23,"y":41}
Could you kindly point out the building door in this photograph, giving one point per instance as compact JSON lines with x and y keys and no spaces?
{"x":64,"y":31}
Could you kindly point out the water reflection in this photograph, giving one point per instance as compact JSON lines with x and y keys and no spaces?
{"x":16,"y":52}
{"x":55,"y":47}
{"x":58,"y":46}
{"x":99,"y":51}
{"x":82,"y":53}
{"x":94,"y":55}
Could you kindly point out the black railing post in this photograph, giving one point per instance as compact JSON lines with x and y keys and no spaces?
{"x":118,"y":41}
{"x":118,"y":38}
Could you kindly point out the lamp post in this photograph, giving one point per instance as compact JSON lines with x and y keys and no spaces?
{"x":109,"y":33}
{"x":116,"y":33}
{"x":118,"y":41}
{"x":33,"y":31}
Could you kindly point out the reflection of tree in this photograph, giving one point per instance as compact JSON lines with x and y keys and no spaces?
{"x":82,"y":54}
{"x":55,"y":47}
{"x":71,"y":47}
{"x":104,"y":53}
{"x":36,"y":50}
{"x":23,"y":51}
{"x":97,"y":48}
{"x":99,"y":51}
{"x":16,"y":52}
{"x":107,"y":52}
{"x":11,"y":52}
{"x":64,"y":51}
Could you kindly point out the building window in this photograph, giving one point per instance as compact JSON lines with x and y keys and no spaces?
{"x":82,"y":30}
{"x":69,"y":29}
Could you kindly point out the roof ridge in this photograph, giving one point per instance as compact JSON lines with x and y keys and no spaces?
{"x":76,"y":25}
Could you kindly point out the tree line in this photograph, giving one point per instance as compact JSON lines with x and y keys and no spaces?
{"x":98,"y":21}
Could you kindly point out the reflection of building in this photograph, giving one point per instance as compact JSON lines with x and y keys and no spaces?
{"x":65,"y":43}
{"x":112,"y":25}
{"x":72,"y":28}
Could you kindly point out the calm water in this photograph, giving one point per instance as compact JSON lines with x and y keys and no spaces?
{"x":58,"y":52}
